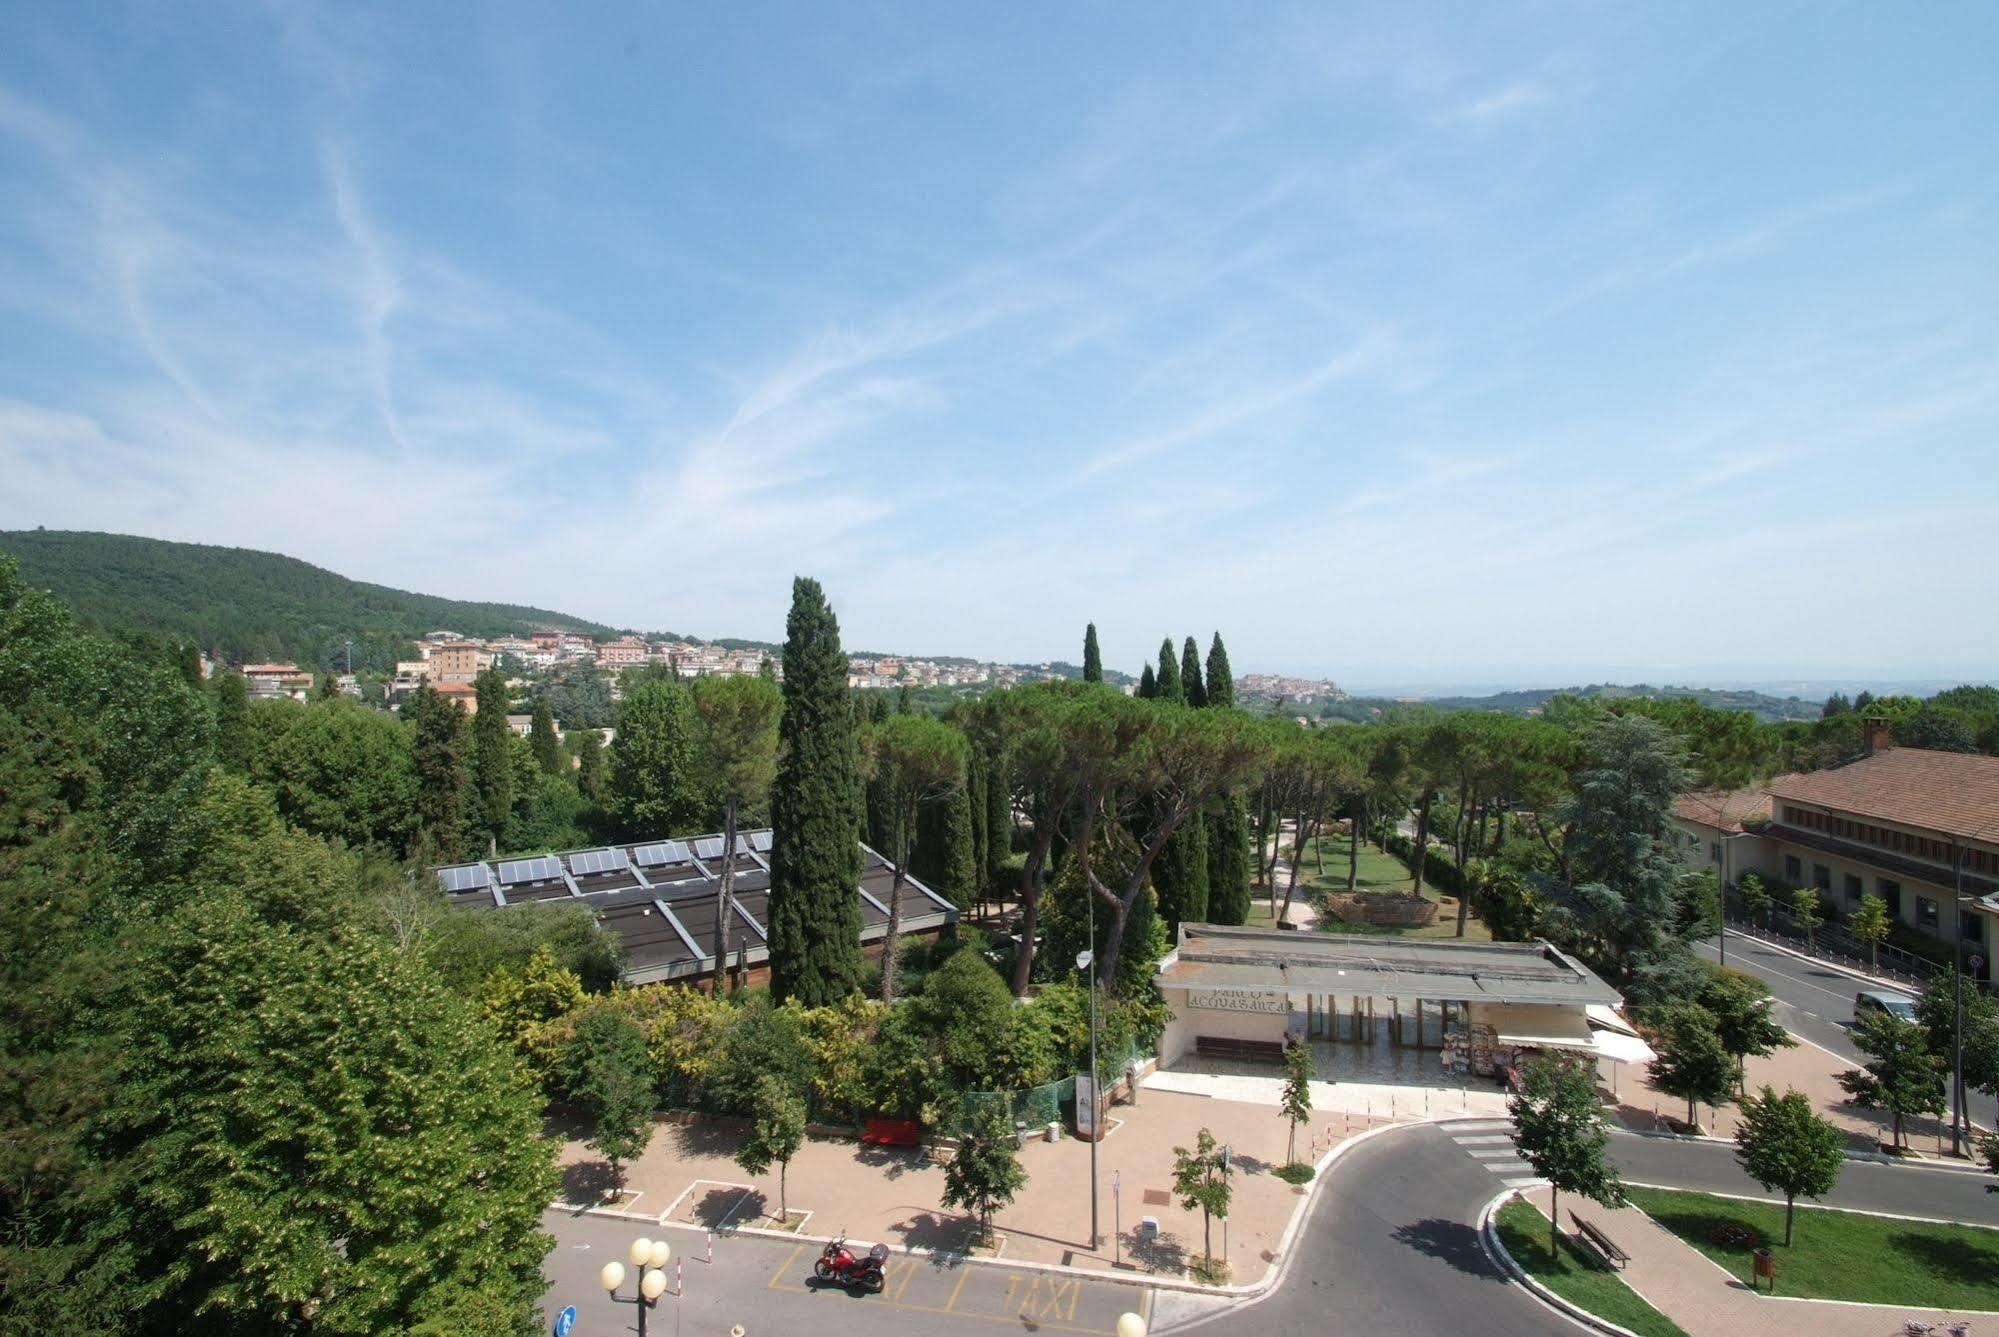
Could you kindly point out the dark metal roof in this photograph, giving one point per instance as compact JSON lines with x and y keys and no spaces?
{"x":659,"y":897}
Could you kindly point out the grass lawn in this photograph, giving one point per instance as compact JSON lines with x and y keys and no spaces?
{"x":1524,"y":1231}
{"x":1377,"y":872}
{"x":1843,"y":1255}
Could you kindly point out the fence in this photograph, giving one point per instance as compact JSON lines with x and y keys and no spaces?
{"x":1831,"y":942}
{"x":1036,"y":1106}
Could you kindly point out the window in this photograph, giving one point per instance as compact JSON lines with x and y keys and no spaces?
{"x":1714,"y":851}
{"x":1853,"y":886}
{"x":1821,"y":877}
{"x":1793,"y":870}
{"x":1972,"y":926}
{"x":1890,"y":892}
{"x":1926,"y":914}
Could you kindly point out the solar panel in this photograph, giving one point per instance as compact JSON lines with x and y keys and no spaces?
{"x":516,"y":871}
{"x":652,"y":856}
{"x":465,"y":877}
{"x":708,"y":847}
{"x":596,"y":861}
{"x":760,"y":841}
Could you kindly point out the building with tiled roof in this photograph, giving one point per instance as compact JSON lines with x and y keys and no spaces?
{"x":1919,"y":829}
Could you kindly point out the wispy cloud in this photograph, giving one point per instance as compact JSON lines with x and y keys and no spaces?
{"x":377,"y":290}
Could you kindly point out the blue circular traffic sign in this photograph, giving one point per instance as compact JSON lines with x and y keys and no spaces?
{"x":565,"y":1321}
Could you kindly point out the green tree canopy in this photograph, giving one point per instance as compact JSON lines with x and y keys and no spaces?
{"x":548,"y":753}
{"x":984,"y":1173}
{"x":1788,"y":1147}
{"x":655,"y":785}
{"x":1093,"y":659}
{"x":492,"y":760}
{"x":1558,"y":1128}
{"x":1901,"y":1075}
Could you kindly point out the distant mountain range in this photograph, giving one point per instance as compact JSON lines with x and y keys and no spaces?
{"x":248,"y":605}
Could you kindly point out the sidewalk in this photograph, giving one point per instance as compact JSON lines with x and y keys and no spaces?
{"x":1685,"y":1286}
{"x":687,"y":1174}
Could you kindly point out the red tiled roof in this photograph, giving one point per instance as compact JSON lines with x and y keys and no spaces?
{"x":1956,"y":793}
{"x":1721,"y":809}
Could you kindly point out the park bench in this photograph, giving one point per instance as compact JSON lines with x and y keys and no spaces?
{"x":893,"y":1133}
{"x":1217,"y":1046}
{"x":1603,"y":1246}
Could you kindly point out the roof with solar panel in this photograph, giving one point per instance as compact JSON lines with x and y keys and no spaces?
{"x":662,"y":897}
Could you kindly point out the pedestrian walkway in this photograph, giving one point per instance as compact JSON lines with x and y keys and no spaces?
{"x":1687,"y":1287}
{"x":1490,"y":1143}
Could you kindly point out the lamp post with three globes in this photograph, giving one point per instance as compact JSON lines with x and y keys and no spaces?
{"x":649,"y":1257}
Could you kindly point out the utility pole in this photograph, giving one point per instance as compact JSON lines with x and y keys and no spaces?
{"x":1957,"y":1011}
{"x":1096,"y":1105}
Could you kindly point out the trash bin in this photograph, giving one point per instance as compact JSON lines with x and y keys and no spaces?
{"x":1055,"y":1130}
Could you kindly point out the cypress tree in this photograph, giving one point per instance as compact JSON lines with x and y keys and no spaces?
{"x":944,"y":857}
{"x":590,"y":763}
{"x":999,"y":827}
{"x":1148,"y":686}
{"x":232,"y":723}
{"x":1221,"y":681}
{"x":440,"y":770}
{"x":1228,"y":864}
{"x":1190,"y":674}
{"x":815,"y":857}
{"x":492,"y":758}
{"x":1093,"y":661}
{"x":542,"y":738}
{"x":1180,"y":876}
{"x":1168,"y":677}
{"x":975,"y":798}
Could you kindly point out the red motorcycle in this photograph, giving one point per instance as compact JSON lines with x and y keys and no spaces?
{"x":838,"y":1264}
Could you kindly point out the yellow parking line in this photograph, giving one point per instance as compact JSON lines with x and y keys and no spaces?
{"x":783,"y":1271}
{"x":952,"y":1303}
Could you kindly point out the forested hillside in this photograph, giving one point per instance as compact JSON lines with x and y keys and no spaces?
{"x":246,"y":605}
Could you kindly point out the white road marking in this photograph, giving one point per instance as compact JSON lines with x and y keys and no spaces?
{"x":1483,"y":1140}
{"x":1495,"y":1154}
{"x":1525,"y":1183}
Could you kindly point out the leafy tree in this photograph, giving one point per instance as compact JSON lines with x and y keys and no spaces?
{"x":777,"y":1130}
{"x":589,"y":747}
{"x":1806,"y":911}
{"x":762,"y":1040}
{"x":244,"y":1040}
{"x":814,"y":915}
{"x":1192,"y":682}
{"x":465,"y":949}
{"x":1938,"y":729}
{"x":1296,"y":1102}
{"x":655,"y":782}
{"x":1201,"y":1179}
{"x":1166,"y":682}
{"x":1788,"y":1147}
{"x":1937,"y":1009}
{"x":439,"y":756}
{"x":1863,"y":700}
{"x":984,"y":1174}
{"x":611,"y":1076}
{"x":522,"y":1006}
{"x":1028,"y":726}
{"x":232,"y":722}
{"x":1869,"y":923}
{"x":966,"y":1006}
{"x":737,"y":718}
{"x":1093,"y":660}
{"x":1558,"y":1129}
{"x":1739,"y":1005}
{"x":1693,"y":1063}
{"x":912,"y":760}
{"x":1836,"y":704}
{"x":1697,"y":913}
{"x":1901,"y":1075}
{"x":1505,"y":902}
{"x":338,"y":769}
{"x":542,"y":737}
{"x":1755,"y":897}
{"x":1220,"y":684}
{"x":492,"y":760}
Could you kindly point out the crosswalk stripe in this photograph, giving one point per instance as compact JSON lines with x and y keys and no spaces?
{"x":1483,"y":1140}
{"x":1525,"y":1183}
{"x":1480,"y":1125}
{"x":1494,"y":1154}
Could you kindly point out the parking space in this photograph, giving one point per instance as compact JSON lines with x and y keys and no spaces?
{"x":1038,"y":1301}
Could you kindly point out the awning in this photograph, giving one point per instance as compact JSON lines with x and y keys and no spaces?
{"x":1621,"y":1048}
{"x":1606,"y":1018}
{"x":1538,"y":1027}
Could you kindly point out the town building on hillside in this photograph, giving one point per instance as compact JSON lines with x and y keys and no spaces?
{"x":1906,"y":824}
{"x":659,"y":898}
{"x":464,"y":693}
{"x":270,"y":677}
{"x":458,"y":661}
{"x":621,"y":653}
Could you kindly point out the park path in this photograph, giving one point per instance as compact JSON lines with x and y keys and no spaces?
{"x":1686,"y":1286}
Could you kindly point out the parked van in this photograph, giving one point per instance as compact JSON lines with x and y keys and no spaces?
{"x":1869,"y":1001}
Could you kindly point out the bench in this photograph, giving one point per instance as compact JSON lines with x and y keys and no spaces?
{"x":1602,"y":1245}
{"x":892,"y":1133}
{"x":1216,"y":1046}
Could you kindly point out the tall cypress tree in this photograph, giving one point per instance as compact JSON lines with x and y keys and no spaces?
{"x":1093,"y":662}
{"x":590,"y":763}
{"x":440,"y":770}
{"x":1180,"y":876}
{"x":232,"y":723}
{"x":1228,"y":827}
{"x":1221,"y":681}
{"x":1190,"y":674}
{"x":975,"y":797}
{"x":542,"y":737}
{"x":999,"y":826}
{"x":492,"y":758}
{"x":1168,"y":677}
{"x":1148,"y":686}
{"x":815,"y":807}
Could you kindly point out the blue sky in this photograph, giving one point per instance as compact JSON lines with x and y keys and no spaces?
{"x":1478,"y":342}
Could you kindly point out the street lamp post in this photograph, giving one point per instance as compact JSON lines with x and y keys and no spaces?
{"x":649,"y":1258}
{"x":1130,"y":1325}
{"x":1726,"y":841}
{"x":1087,"y":961}
{"x":1957,"y":1008}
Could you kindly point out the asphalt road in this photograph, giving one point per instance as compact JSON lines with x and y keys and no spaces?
{"x":1816,"y":1002}
{"x":767,"y":1287}
{"x":1866,"y":1186}
{"x":1392,"y":1246}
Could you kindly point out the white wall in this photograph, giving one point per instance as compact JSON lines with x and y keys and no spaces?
{"x":1188,"y":1022}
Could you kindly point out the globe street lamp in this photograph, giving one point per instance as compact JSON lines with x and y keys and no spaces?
{"x":1087,"y":961}
{"x":649,"y":1258}
{"x":1130,"y":1325}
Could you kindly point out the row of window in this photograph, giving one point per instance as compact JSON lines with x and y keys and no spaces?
{"x":1887,"y":838}
{"x":1928,"y":914}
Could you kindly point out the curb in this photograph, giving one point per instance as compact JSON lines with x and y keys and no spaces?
{"x":1146,"y":1281}
{"x":1914,"y":1161}
{"x":1879,"y":981}
{"x":1488,"y":1237}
